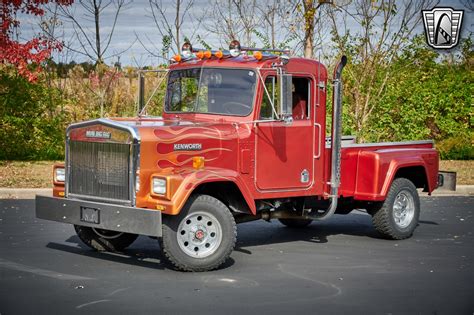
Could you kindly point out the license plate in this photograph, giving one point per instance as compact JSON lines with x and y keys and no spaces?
{"x":90,"y":215}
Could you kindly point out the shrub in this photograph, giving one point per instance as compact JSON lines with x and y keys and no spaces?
{"x":457,"y":148}
{"x":31,"y":119}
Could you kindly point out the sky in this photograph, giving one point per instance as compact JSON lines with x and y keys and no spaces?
{"x":135,"y":20}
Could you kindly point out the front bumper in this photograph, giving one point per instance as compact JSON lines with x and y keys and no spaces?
{"x":112,"y":217}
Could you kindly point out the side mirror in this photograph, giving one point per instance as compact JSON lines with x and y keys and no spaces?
{"x":286,"y":96}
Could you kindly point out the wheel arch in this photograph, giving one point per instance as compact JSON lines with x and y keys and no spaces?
{"x":415,"y":172}
{"x":217,"y":183}
{"x":228,"y":192}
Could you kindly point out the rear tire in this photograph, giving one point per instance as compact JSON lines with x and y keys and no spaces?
{"x":295,"y":223}
{"x":201,"y":237}
{"x":399,"y":214}
{"x":104,"y":240}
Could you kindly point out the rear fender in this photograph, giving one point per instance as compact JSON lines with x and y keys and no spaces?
{"x":377,"y":170}
{"x":427,"y":162}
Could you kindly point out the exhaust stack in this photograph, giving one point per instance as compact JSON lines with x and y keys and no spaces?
{"x":336,"y":136}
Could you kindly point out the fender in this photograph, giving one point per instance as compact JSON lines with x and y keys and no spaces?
{"x":382,"y":165}
{"x":181,"y":185}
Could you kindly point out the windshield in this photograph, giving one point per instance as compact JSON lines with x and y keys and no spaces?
{"x":211,"y":90}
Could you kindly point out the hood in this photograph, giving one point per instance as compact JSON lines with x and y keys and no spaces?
{"x":127,"y":130}
{"x":167,"y":144}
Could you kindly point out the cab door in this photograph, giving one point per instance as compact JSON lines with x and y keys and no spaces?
{"x":284,"y":151}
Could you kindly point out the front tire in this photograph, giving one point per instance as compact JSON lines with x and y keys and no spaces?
{"x":201,"y":237}
{"x":399,"y":214}
{"x":104,"y":240}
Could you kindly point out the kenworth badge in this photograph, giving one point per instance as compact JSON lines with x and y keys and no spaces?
{"x":187,"y":146}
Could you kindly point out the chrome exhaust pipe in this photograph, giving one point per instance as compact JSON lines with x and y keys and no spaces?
{"x":336,"y":137}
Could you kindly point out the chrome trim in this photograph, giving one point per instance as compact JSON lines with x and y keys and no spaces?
{"x":384,"y":144}
{"x":134,"y":156}
{"x":106,"y":122}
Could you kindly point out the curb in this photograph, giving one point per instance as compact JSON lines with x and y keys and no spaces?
{"x":30,"y":193}
{"x":461,"y":190}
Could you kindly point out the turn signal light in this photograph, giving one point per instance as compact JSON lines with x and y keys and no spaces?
{"x":198,"y":162}
{"x":160,"y":207}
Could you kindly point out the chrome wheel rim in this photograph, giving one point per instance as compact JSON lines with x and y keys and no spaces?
{"x":199,"y":234}
{"x":107,"y":234}
{"x":403,"y":209}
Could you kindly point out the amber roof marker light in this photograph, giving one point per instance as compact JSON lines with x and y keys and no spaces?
{"x":200,"y":54}
{"x":177,"y":58}
{"x":219,"y":54}
{"x":258,"y":55}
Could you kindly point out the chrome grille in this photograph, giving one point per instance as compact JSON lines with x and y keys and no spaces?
{"x":99,"y":170}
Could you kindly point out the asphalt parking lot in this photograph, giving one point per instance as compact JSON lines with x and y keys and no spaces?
{"x":337,"y":266}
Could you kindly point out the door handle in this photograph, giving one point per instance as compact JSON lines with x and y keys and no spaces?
{"x":317,"y":156}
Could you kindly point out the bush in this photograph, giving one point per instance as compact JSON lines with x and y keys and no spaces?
{"x":457,"y":148}
{"x":32,"y":123}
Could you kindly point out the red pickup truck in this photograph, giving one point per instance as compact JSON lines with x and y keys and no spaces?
{"x":242,"y":137}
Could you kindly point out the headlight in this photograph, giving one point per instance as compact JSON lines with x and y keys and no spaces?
{"x":159,"y":186}
{"x":59,"y":174}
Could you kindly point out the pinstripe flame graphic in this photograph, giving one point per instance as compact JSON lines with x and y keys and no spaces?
{"x":167,"y":158}
{"x":217,"y":144}
{"x":173,"y":157}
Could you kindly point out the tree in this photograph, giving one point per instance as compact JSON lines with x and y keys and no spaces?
{"x":171,"y":29}
{"x":309,"y":14}
{"x":227,"y":20}
{"x":250,"y":21}
{"x":372,"y":34}
{"x":24,"y":56}
{"x":93,"y":42}
{"x":276,"y":26}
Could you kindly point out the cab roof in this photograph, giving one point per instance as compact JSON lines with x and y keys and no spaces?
{"x":295,"y":64}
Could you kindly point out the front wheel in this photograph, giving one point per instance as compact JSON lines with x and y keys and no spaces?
{"x":201,"y":237}
{"x":399,"y":214}
{"x":104,"y":240}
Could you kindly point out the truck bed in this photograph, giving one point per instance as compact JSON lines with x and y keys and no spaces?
{"x":367,"y":169}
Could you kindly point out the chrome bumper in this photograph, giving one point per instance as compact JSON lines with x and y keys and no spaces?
{"x":112,"y":217}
